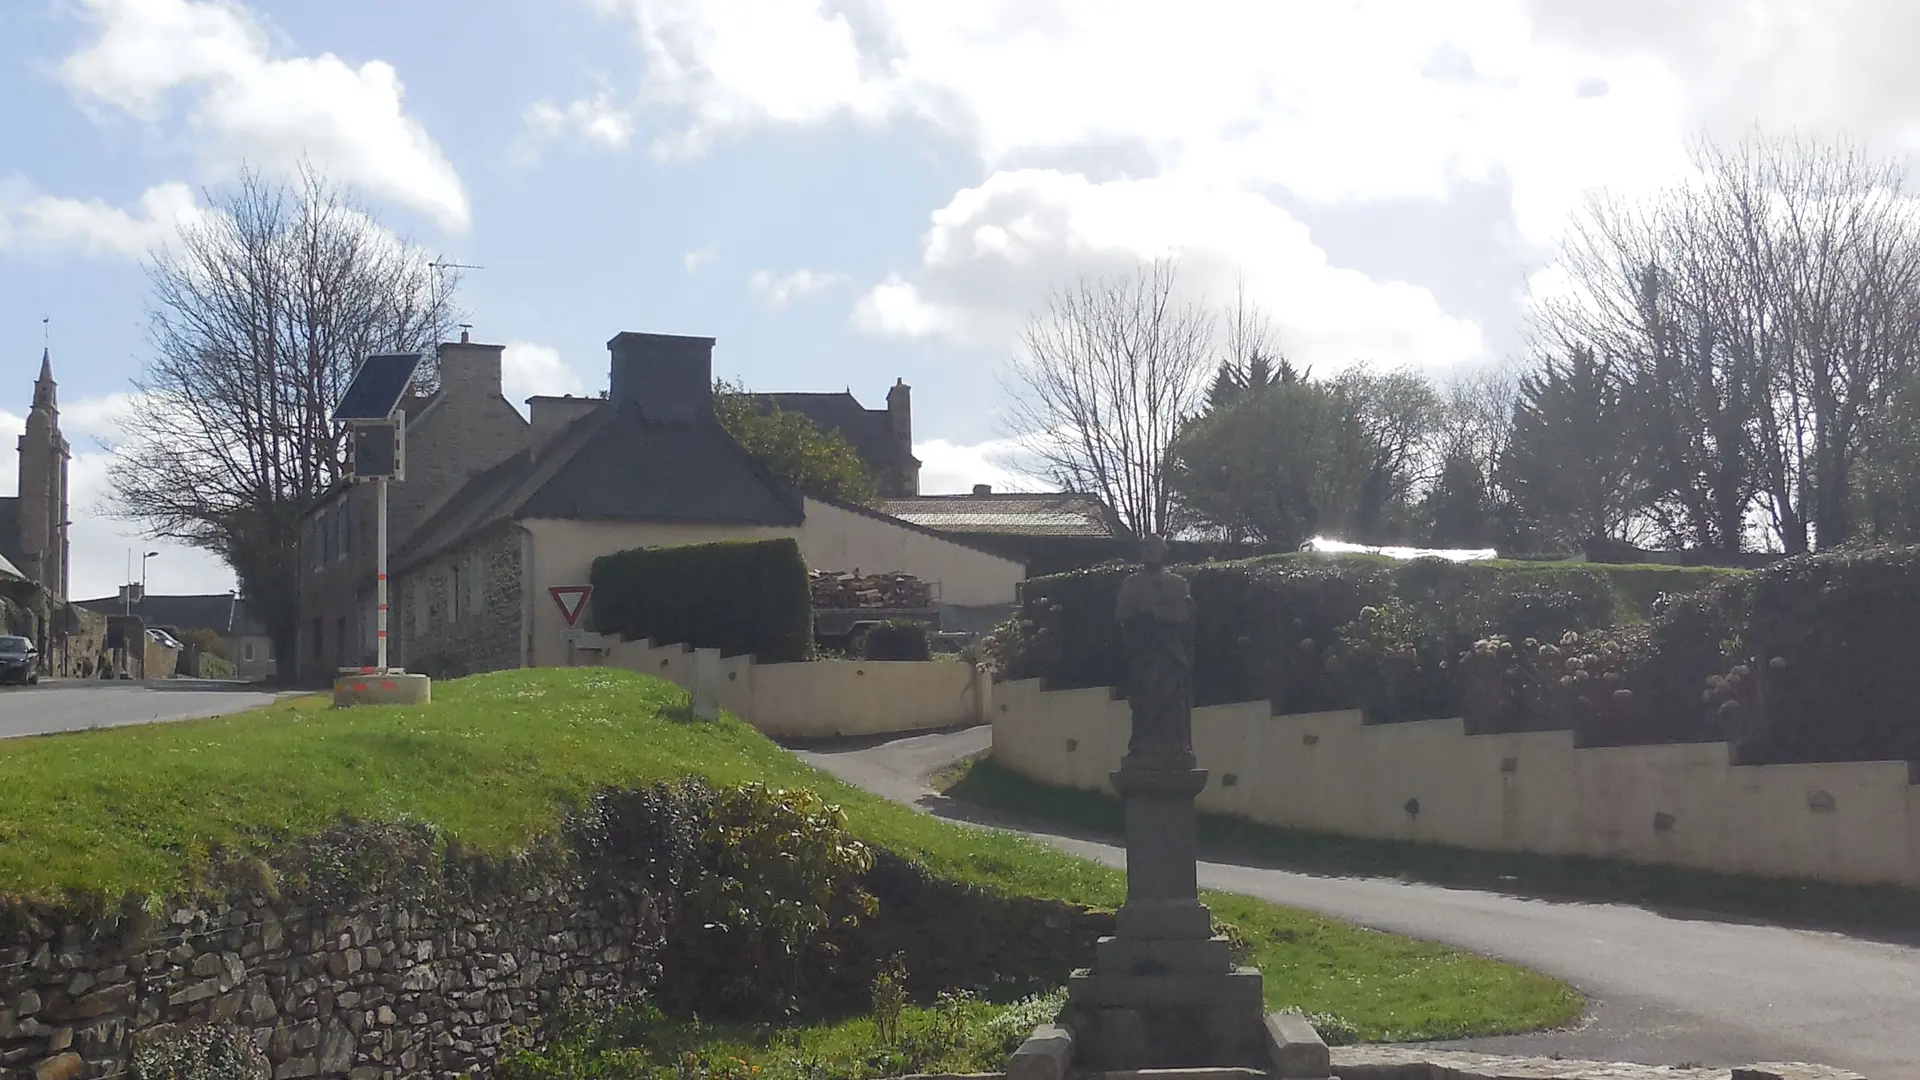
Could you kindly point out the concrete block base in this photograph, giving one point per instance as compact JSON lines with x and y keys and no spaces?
{"x":392,"y":688}
{"x":1168,"y":1020}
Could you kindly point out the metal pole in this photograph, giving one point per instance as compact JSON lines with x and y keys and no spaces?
{"x":380,"y":577}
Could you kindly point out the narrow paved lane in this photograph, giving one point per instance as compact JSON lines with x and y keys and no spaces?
{"x":45,"y":709}
{"x":1665,"y":990}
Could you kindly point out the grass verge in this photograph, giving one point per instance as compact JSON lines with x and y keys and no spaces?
{"x":958,"y":1035}
{"x":1815,"y":903}
{"x":497,"y":761}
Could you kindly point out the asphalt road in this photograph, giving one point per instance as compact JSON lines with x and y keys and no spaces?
{"x":1664,"y":989}
{"x":77,"y":706}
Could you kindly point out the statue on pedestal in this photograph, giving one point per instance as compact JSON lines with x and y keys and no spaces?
{"x":1155,"y":611}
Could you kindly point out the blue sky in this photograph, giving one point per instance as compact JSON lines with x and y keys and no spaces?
{"x":847,"y":191}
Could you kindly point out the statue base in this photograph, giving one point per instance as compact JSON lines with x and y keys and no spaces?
{"x":1163,"y":991}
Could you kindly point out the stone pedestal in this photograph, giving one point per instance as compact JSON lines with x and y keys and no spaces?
{"x":1163,"y":991}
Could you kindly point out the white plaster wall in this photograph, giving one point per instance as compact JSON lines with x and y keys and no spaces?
{"x":821,"y":699}
{"x":837,"y":539}
{"x":1531,"y":792}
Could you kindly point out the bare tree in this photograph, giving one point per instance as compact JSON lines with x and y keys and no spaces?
{"x":1108,"y":374}
{"x":1759,"y":312}
{"x":257,"y":320}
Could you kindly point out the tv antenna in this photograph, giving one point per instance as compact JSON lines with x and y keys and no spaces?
{"x":439,"y":265}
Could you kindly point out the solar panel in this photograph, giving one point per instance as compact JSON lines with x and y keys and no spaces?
{"x":376,"y":388}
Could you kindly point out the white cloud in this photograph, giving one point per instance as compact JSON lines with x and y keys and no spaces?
{"x":1339,"y":101}
{"x":694,"y":260}
{"x":30,"y":221}
{"x":528,"y":369}
{"x":251,"y":106}
{"x":949,"y":468}
{"x":778,"y":291}
{"x":99,"y":544}
{"x":995,"y":251}
{"x":596,"y":119}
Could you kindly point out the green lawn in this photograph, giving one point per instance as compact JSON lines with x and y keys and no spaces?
{"x":1820,"y":903}
{"x":498,"y":759}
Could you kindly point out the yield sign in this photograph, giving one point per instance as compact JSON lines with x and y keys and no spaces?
{"x":572,"y":600}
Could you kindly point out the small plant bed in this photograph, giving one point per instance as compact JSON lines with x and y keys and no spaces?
{"x":985,"y":783}
{"x":958,"y":1033}
{"x":499,"y":764}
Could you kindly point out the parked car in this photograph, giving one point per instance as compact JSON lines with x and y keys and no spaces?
{"x":19,"y":660}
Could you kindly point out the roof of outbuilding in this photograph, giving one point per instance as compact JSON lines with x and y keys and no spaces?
{"x":223,"y":613}
{"x":1013,"y":514}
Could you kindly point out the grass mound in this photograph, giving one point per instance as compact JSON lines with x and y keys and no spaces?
{"x":496,"y":762}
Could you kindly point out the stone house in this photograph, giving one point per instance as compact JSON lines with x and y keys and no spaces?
{"x":464,"y":428}
{"x":646,"y":465}
{"x":881,"y":438}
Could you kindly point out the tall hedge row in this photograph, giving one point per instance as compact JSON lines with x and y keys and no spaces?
{"x":739,"y":596}
{"x":1810,"y":659}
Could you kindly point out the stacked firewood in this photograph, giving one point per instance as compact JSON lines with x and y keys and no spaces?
{"x":838,"y":589}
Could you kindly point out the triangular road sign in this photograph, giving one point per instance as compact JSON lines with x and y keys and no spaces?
{"x":572,"y":600}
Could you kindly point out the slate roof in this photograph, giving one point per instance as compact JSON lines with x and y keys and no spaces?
{"x":10,"y":530}
{"x":868,"y":431}
{"x":223,"y":613}
{"x":1012,"y":514}
{"x":613,"y":465}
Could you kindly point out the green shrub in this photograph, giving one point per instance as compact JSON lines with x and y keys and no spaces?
{"x":898,"y":639}
{"x":741,"y":597}
{"x":758,"y":882}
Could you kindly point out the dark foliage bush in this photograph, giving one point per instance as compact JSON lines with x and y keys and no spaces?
{"x":1310,"y":632}
{"x":741,"y":597}
{"x":898,"y":639}
{"x":759,"y":885}
{"x":1828,"y":664}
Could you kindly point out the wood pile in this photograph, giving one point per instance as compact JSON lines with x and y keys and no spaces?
{"x":836,"y":589}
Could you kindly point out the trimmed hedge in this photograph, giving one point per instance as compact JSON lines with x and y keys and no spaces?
{"x":1809,"y":659}
{"x":1312,"y":632}
{"x":738,"y":596}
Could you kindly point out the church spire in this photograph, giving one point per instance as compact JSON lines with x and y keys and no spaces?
{"x":43,"y":386}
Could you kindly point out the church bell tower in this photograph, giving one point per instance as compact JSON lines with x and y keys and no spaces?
{"x":44,"y":454}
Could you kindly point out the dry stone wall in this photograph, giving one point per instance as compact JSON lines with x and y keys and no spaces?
{"x":367,"y":991}
{"x":448,"y":635}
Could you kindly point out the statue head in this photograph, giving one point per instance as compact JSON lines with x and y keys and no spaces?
{"x":1153,"y":550}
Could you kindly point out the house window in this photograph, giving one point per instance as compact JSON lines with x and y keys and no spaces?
{"x":476,"y":586}
{"x":246,"y":652}
{"x":453,"y":593}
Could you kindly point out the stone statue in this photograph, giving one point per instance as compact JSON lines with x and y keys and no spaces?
{"x":1155,"y":611}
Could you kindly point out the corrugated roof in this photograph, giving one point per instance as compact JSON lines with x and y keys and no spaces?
{"x":1042,"y":514}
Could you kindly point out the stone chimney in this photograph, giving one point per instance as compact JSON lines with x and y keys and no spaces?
{"x":900,"y":421}
{"x":549,"y":416}
{"x":469,"y":370}
{"x":981,"y":491}
{"x":669,"y":378}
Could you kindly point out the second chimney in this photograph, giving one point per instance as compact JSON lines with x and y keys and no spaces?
{"x":982,"y":490}
{"x":669,"y":378}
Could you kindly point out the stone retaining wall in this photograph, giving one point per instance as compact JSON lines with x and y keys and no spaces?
{"x":365,"y":991}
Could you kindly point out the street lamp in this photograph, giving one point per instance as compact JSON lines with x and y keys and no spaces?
{"x":143,"y":575}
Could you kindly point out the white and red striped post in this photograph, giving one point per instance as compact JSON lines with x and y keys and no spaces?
{"x":380,"y":576}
